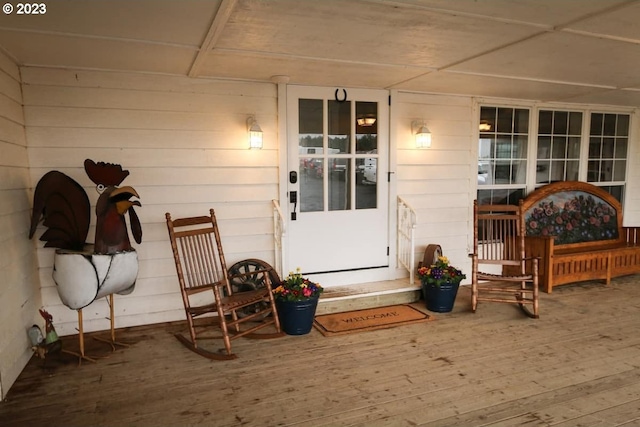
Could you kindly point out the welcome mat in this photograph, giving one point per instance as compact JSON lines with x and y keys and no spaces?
{"x":369,"y":319}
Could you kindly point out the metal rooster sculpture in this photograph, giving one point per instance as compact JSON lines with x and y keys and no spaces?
{"x":84,"y":272}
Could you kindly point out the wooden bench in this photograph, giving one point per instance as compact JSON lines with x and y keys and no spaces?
{"x":576,"y":231}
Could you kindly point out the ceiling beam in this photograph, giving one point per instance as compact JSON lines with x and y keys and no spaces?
{"x":215,"y":30}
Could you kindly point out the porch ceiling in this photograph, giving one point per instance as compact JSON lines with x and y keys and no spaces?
{"x":585,"y":51}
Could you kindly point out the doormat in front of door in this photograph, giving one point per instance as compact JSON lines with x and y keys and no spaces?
{"x":369,"y":319}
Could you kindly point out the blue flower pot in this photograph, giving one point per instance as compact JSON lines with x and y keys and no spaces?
{"x":296,"y":317}
{"x":440,"y":298}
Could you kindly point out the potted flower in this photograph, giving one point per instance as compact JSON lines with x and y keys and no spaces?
{"x":440,"y":283}
{"x":296,"y":300}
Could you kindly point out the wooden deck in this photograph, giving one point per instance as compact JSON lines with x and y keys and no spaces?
{"x":579,"y":364}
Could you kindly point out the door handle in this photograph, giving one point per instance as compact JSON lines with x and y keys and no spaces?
{"x":293,"y":198}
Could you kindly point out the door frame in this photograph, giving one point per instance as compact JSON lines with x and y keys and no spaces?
{"x":393,"y":271}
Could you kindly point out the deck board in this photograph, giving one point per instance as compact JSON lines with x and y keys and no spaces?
{"x":576,"y":365}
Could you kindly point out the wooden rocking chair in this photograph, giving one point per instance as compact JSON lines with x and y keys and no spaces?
{"x":498,"y":246}
{"x":207,"y":291}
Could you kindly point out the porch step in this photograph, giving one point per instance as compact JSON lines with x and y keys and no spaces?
{"x":367,"y":295}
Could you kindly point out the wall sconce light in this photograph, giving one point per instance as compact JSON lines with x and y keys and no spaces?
{"x":422,"y":133}
{"x":366,"y":121}
{"x":255,"y":133}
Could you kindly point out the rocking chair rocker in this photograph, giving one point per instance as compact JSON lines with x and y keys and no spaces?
{"x":202,"y":274}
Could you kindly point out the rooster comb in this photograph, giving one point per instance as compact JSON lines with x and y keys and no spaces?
{"x":103,"y":173}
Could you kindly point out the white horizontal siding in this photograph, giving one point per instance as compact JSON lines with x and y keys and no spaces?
{"x":437,"y":181}
{"x":19,"y":291}
{"x":184,"y":143}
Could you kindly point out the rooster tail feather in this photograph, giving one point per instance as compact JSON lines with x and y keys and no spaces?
{"x":66,"y":210}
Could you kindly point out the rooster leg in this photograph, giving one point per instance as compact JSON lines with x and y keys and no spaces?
{"x":81,"y":355}
{"x":112,"y":319}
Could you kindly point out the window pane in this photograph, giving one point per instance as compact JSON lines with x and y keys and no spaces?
{"x":544,"y":147}
{"x":311,"y":190}
{"x":572,"y":170}
{"x":366,"y":126}
{"x":607,"y":148}
{"x":621,"y":148}
{"x":542,"y":172}
{"x":560,"y":122}
{"x":619,"y":170}
{"x":502,"y":172}
{"x":339,"y":127}
{"x":623,"y":125}
{"x":521,"y":121}
{"x":519,"y":172}
{"x":615,"y":190}
{"x":366,"y":186}
{"x":575,"y":123}
{"x":559,"y":147}
{"x":573,"y":151}
{"x":519,"y":147}
{"x":310,"y":116}
{"x":545,"y":119}
{"x":593,"y":171}
{"x":609,"y":125}
{"x":557,"y":171}
{"x":488,"y":118}
{"x":339,"y":184}
{"x":596,"y":124}
{"x":595,"y":145}
{"x":505,"y":120}
{"x":606,"y":170}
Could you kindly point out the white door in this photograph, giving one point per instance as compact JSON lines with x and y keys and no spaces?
{"x":338,"y":198}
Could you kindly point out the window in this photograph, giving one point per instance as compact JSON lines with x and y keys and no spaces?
{"x":502,"y":154}
{"x":558,"y":146}
{"x":559,"y":153}
{"x":608,"y":143}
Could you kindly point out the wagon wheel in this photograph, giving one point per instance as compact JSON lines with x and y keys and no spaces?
{"x":431,"y":254}
{"x":249,"y":275}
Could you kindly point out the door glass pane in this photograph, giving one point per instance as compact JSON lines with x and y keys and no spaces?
{"x":311,"y":170}
{"x":339,"y":176}
{"x":366,"y":183}
{"x":310,"y":123}
{"x":339,"y":127}
{"x":366,"y":127}
{"x":311,"y":188}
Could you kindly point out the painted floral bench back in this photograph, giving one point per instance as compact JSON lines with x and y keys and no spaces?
{"x":573,"y":213}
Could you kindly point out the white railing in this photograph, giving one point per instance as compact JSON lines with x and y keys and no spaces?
{"x":279,"y":231}
{"x":407,"y":220}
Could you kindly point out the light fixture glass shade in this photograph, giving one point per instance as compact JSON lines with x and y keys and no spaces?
{"x":255,"y":134}
{"x":423,"y":137}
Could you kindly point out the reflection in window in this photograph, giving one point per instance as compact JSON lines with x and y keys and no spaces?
{"x":558,"y":146}
{"x":502,"y":151}
{"x":608,"y":143}
{"x":366,"y":183}
{"x":311,"y":189}
{"x":339,"y":185}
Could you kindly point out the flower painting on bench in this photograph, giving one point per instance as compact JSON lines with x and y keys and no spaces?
{"x":572,"y":217}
